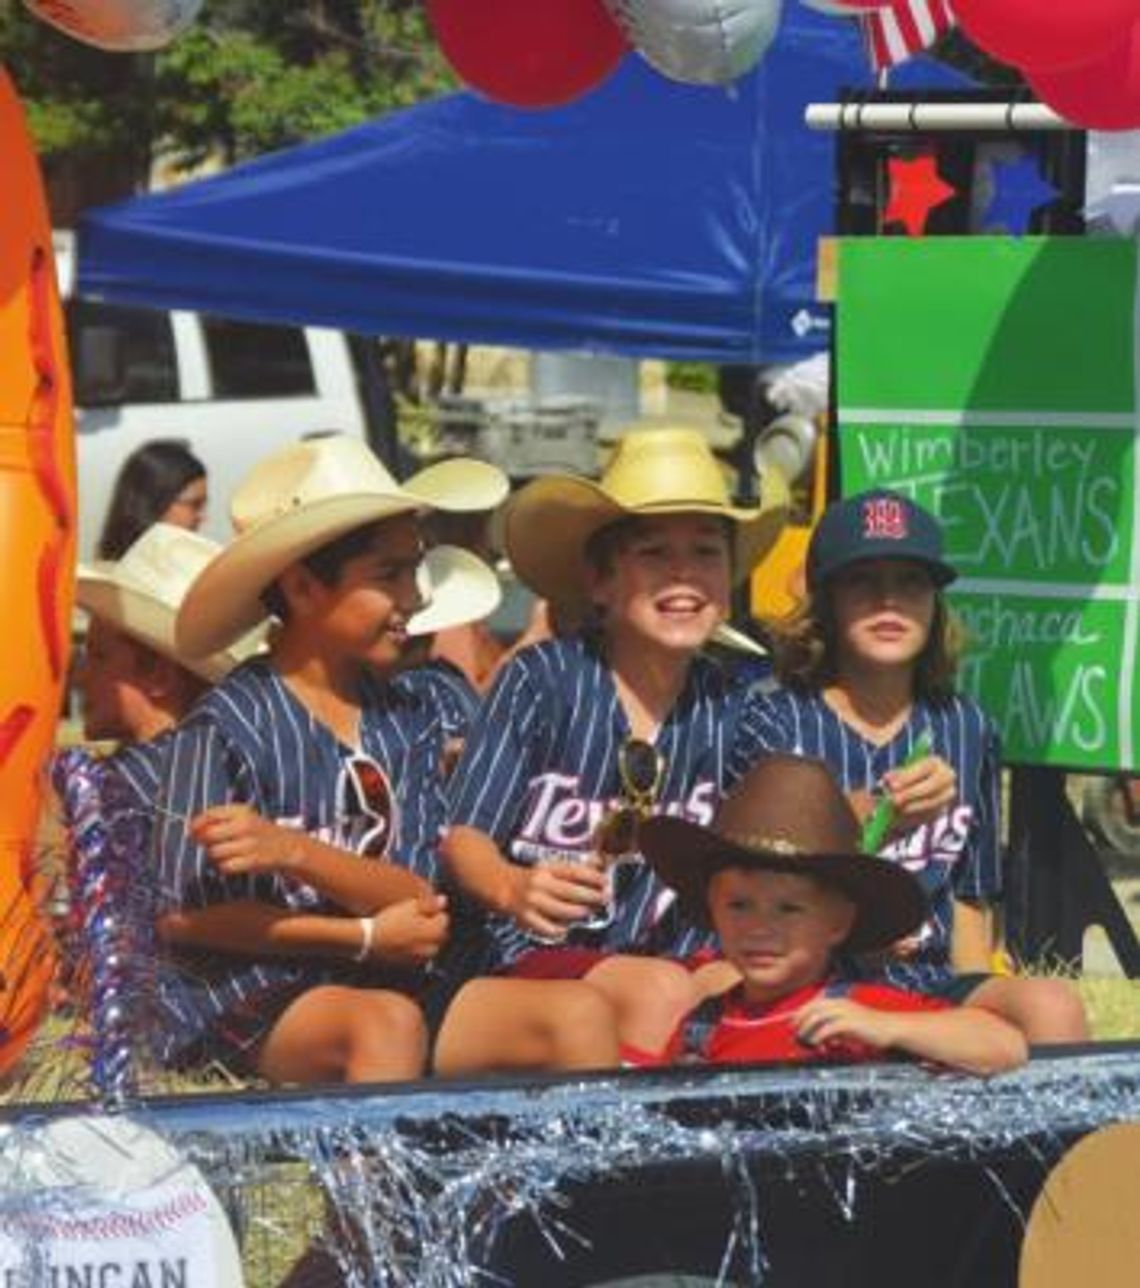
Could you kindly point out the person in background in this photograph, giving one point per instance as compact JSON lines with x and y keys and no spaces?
{"x":160,"y":482}
{"x":780,"y":877}
{"x":135,"y":683}
{"x":867,"y":669}
{"x":456,"y":593}
{"x":467,"y":646}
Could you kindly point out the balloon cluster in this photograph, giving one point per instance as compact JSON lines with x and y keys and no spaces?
{"x":543,"y":53}
{"x":1083,"y":59}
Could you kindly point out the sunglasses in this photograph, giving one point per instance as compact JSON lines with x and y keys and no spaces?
{"x":368,"y":782}
{"x":641,"y":768}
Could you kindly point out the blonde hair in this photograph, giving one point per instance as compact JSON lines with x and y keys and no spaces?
{"x":805,"y":652}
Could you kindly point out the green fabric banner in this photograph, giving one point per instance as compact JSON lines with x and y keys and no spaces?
{"x":994,"y":380}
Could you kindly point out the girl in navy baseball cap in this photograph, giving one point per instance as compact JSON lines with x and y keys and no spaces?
{"x":867,"y":667}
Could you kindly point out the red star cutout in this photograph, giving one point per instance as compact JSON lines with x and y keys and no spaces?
{"x":916,"y":189}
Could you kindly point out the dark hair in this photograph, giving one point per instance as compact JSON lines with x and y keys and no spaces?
{"x":325,"y":563}
{"x":151,"y":478}
{"x":804,"y":653}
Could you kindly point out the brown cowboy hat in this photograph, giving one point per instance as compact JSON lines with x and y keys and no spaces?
{"x":788,"y":814}
{"x":652,"y":472}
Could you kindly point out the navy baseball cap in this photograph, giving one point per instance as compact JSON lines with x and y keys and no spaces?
{"x":875,"y":525}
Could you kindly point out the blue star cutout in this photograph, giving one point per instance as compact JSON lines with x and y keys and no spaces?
{"x":1019,"y":190}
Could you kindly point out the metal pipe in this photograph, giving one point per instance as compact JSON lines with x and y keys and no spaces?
{"x":1001,"y":118}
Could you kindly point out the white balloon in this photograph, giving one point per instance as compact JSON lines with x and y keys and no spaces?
{"x":700,"y":42}
{"x":127,"y":26}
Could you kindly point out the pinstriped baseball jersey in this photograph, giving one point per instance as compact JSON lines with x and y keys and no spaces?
{"x":139,"y":765}
{"x":251,"y":740}
{"x":446,"y":689}
{"x":541,"y":767}
{"x":958,"y":855}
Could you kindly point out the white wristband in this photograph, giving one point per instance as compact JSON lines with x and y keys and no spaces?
{"x":367,"y":938}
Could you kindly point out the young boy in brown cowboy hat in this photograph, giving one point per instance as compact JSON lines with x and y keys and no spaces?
{"x":780,"y":877}
{"x":582,"y":735}
{"x":301,"y":800}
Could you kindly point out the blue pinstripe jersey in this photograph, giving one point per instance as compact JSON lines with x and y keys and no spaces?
{"x":958,"y":856}
{"x":541,"y":767}
{"x":447,"y":689}
{"x":251,"y":740}
{"x":139,"y":765}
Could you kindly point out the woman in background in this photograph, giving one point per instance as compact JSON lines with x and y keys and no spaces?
{"x":160,"y":481}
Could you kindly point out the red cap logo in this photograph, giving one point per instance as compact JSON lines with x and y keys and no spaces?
{"x":884,"y":518}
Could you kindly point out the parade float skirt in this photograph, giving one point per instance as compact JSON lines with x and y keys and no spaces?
{"x":877,"y":1175}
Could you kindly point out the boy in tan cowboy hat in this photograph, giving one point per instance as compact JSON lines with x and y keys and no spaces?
{"x":781,"y":879}
{"x":301,"y":800}
{"x":584,"y":735}
{"x":134,"y":682}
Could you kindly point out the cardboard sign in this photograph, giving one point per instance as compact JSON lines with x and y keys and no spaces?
{"x":993,"y":380}
{"x":97,"y":1202}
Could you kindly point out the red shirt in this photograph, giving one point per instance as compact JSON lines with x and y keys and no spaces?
{"x":728,"y":1030}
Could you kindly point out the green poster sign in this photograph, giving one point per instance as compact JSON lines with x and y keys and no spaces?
{"x":994,"y":380}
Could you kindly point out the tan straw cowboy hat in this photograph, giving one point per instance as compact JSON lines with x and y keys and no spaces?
{"x":788,"y":814}
{"x":300,"y":499}
{"x":140,"y":595}
{"x":457,"y":588}
{"x":652,"y":472}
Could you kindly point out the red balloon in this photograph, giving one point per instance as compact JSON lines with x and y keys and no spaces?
{"x":1043,"y":35}
{"x":529,"y":53}
{"x":1100,"y":95}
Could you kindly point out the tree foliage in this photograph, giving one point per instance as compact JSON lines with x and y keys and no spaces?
{"x":250,"y":76}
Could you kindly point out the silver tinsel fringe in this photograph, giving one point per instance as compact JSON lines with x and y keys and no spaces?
{"x":420,"y":1182}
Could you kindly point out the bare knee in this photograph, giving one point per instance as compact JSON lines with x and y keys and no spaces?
{"x":580,"y":1028}
{"x":1055,"y":1012}
{"x":1045,"y":1010}
{"x":650,"y":997}
{"x":387,"y":1038}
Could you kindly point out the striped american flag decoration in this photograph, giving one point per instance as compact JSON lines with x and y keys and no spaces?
{"x":903,"y":28}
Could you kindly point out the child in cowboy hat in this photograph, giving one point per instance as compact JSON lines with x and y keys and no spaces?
{"x":290,"y":781}
{"x":582,"y":735}
{"x":867,"y":670}
{"x":134,"y":682}
{"x":781,"y":879}
{"x":457,"y":595}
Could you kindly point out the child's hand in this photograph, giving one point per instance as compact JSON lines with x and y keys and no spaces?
{"x":238,"y":839}
{"x":829,"y":1021}
{"x":920,"y":792}
{"x":549,"y":898}
{"x":411,"y":932}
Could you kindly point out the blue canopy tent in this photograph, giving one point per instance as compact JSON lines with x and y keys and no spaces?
{"x":648,"y":218}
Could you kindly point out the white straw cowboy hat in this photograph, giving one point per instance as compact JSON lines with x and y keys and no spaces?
{"x":300,"y":499}
{"x":140,"y":595}
{"x":652,"y":472}
{"x":457,"y":588}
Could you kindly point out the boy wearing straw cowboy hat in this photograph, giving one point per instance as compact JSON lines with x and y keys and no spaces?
{"x":135,"y":683}
{"x":301,"y":800}
{"x":583,"y":736}
{"x":780,"y":876}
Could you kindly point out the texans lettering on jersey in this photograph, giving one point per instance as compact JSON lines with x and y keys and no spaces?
{"x":541,"y":768}
{"x":957,"y":856}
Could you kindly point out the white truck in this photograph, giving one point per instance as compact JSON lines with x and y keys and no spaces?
{"x":233,"y":391}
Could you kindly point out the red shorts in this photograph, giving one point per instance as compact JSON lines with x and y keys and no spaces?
{"x":569,"y":962}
